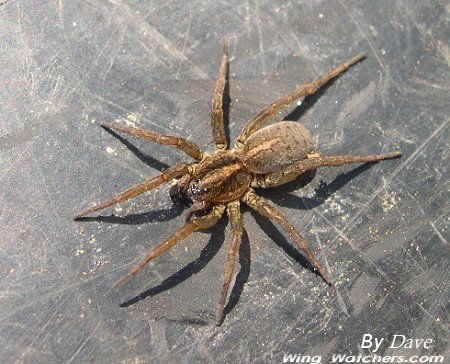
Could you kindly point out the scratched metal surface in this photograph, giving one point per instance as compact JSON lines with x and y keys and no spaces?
{"x":382,"y":232}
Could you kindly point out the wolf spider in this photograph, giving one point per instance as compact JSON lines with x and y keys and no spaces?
{"x":263,"y":157}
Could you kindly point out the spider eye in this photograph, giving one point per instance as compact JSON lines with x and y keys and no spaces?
{"x":196,"y":188}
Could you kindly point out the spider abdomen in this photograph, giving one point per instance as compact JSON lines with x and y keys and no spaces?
{"x":277,"y":146}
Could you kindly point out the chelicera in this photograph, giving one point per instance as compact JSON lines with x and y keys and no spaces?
{"x":263,"y":157}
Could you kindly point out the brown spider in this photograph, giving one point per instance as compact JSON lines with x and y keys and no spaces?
{"x":262,"y":158}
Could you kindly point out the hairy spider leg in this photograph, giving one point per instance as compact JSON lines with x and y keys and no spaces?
{"x":217,"y":117}
{"x":197,"y":223}
{"x":237,"y":228}
{"x":267,"y":209}
{"x":169,"y":174}
{"x":290,"y":173}
{"x":280,"y":103}
{"x":185,"y":145}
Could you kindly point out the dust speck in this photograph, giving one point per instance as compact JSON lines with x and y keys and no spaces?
{"x":111,"y":150}
{"x":389,"y":201}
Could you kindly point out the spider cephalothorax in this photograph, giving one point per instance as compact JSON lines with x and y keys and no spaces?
{"x":220,"y":178}
{"x":263,"y":157}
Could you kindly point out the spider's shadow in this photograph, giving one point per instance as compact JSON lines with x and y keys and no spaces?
{"x":206,"y":255}
{"x":226,"y":106}
{"x":282,"y":196}
{"x":307,"y":103}
{"x":212,"y":247}
{"x":145,"y":217}
{"x":295,"y":115}
{"x":194,"y":267}
{"x":150,"y":161}
{"x":139,"y":218}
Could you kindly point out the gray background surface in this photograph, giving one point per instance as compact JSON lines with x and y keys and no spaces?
{"x":382,"y":231}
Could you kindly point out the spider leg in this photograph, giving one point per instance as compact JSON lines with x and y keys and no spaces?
{"x":166,"y":176}
{"x":188,"y":147}
{"x":280,"y":103}
{"x":290,"y":173}
{"x":267,"y":209}
{"x":237,"y":227}
{"x":217,"y":120}
{"x":197,"y":223}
